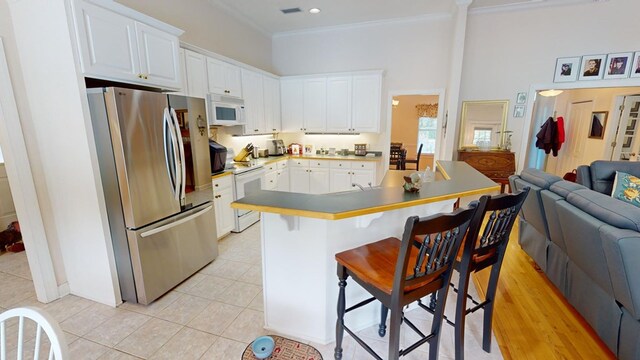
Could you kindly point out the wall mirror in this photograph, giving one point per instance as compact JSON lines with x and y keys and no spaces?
{"x":483,"y":124}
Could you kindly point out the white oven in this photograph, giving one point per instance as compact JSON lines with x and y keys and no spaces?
{"x":225,"y":110}
{"x":248,"y":181}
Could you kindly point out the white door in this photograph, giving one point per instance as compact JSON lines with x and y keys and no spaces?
{"x":224,"y":213}
{"x":7,"y":209}
{"x":318,"y":181}
{"x":340,"y":180}
{"x":232,"y":78}
{"x":271,"y":180}
{"x":216,"y":76}
{"x":627,"y":144}
{"x":107,"y":42}
{"x":363,"y":177}
{"x":159,"y":56}
{"x":271,"y":91}
{"x":253,"y":102}
{"x":291,"y":97}
{"x":283,"y":180}
{"x":315,"y":105}
{"x":299,"y":180}
{"x":366,"y":103}
{"x":339,"y":104}
{"x":576,"y":128}
{"x":196,"y":78}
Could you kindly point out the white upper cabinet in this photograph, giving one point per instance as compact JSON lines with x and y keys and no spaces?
{"x":253,"y":102}
{"x":291,"y":97}
{"x":339,"y":104}
{"x":196,"y":74}
{"x":224,"y":78}
{"x":116,"y":47}
{"x":315,"y":105}
{"x":271,"y":90}
{"x":366,"y":103}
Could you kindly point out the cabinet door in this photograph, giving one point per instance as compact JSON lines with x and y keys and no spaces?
{"x":271,"y":91}
{"x":363,"y":177}
{"x":224,"y":213}
{"x":291,"y":96}
{"x":339,"y":104}
{"x":271,"y":180}
{"x":253,"y":102}
{"x":318,"y":181}
{"x":233,"y":80}
{"x":340,"y":180}
{"x":299,"y":180}
{"x":159,"y":56}
{"x":315,"y":105}
{"x":196,"y":69}
{"x":366,"y":103}
{"x":107,"y":43}
{"x":216,"y":76}
{"x":283,"y":180}
{"x":183,"y":71}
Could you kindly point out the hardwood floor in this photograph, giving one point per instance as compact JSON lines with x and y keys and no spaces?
{"x":531,"y":319}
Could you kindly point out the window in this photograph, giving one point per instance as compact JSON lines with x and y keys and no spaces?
{"x":427,"y":134}
{"x":481,"y":134}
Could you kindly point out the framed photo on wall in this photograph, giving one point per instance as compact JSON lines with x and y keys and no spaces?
{"x":593,"y":67}
{"x":521,"y":98}
{"x":518,"y":111}
{"x":567,"y":69}
{"x":635,"y":67}
{"x":598,"y":124}
{"x":618,"y":66}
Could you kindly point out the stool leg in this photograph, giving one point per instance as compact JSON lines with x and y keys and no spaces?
{"x":342,"y":276}
{"x":382,"y":328}
{"x":436,"y":325}
{"x":488,"y":309}
{"x":394,"y":334}
{"x":461,"y":313}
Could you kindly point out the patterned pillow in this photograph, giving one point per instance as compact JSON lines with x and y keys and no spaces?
{"x":626,"y":188}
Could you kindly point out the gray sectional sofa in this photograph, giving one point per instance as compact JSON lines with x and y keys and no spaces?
{"x":588,"y":245}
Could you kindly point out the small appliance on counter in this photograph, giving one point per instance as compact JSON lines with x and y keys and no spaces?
{"x":263,"y":153}
{"x":218,"y":156}
{"x":276,"y":148}
{"x":360,"y":149}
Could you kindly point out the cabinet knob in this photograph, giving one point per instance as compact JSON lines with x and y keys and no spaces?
{"x":339,"y":164}
{"x":216,"y":185}
{"x":273,"y":129}
{"x":301,"y":129}
{"x":362,"y":165}
{"x":255,"y":129}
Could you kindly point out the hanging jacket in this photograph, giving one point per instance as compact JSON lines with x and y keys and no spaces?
{"x":561,"y":138}
{"x":547,"y":137}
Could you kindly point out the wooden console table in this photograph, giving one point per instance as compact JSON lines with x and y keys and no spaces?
{"x":496,"y":165}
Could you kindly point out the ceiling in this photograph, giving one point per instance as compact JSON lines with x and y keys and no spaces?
{"x":266,"y":16}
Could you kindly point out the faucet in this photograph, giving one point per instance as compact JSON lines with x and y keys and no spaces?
{"x":358,"y":185}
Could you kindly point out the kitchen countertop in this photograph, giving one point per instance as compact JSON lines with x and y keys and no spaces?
{"x":458,"y":179}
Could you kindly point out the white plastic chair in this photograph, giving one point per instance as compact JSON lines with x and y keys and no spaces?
{"x":44,"y":322}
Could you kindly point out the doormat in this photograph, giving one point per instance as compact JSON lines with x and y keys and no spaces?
{"x":286,"y":349}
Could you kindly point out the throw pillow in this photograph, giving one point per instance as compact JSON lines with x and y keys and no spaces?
{"x":626,"y":187}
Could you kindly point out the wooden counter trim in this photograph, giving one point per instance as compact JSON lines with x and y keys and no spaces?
{"x":217,"y":176}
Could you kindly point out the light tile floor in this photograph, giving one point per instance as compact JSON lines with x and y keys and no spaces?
{"x":213,"y":315}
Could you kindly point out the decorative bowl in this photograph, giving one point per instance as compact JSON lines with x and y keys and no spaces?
{"x":262,"y":347}
{"x":412,"y":183}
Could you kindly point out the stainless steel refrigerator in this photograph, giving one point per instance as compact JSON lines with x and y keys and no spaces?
{"x":153,"y":152}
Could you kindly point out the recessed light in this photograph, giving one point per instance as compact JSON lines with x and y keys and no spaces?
{"x":314,"y":10}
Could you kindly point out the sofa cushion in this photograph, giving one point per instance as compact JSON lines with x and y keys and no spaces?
{"x":606,"y":209}
{"x":564,"y":188}
{"x":626,"y":188}
{"x":603,"y":173}
{"x":539,"y":178}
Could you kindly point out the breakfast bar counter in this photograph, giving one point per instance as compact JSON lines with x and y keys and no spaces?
{"x":301,"y":233}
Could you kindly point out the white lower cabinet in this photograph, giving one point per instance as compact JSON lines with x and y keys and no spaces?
{"x":277,"y":176}
{"x":346,"y":173}
{"x":222,"y":199}
{"x":310,"y":176}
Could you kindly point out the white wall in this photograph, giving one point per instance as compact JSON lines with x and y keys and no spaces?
{"x":508,"y":52}
{"x":211,"y":28}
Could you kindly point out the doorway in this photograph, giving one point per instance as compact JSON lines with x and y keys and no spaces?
{"x":415,"y":123}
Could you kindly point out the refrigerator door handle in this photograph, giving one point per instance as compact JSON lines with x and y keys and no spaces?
{"x":183,"y":169}
{"x":177,"y":179}
{"x":175,"y":223}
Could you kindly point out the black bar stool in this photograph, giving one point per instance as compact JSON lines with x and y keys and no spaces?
{"x":398,"y":273}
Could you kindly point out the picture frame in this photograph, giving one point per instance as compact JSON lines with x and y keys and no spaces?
{"x":635,"y":67}
{"x":521,"y":98}
{"x":593,"y":67}
{"x":180,"y":116}
{"x":518,"y":111}
{"x":567,"y":69}
{"x":598,"y":124}
{"x":308,"y":150}
{"x":618,"y":65}
{"x":295,"y":149}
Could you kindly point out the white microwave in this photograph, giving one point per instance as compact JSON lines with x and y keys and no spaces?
{"x":225,"y":110}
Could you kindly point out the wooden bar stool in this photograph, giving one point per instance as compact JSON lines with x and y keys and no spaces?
{"x":491,"y":227}
{"x":398,"y":273}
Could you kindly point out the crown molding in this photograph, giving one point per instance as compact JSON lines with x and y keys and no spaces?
{"x":527,"y":5}
{"x":365,"y":24}
{"x":240,"y":17}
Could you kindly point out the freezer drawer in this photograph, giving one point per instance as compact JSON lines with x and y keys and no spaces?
{"x":166,"y":253}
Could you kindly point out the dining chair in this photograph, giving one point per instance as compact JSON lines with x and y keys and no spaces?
{"x":396,"y":157}
{"x":414,"y":161}
{"x":19,"y":334}
{"x":397,"y":273}
{"x":484,"y":246}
